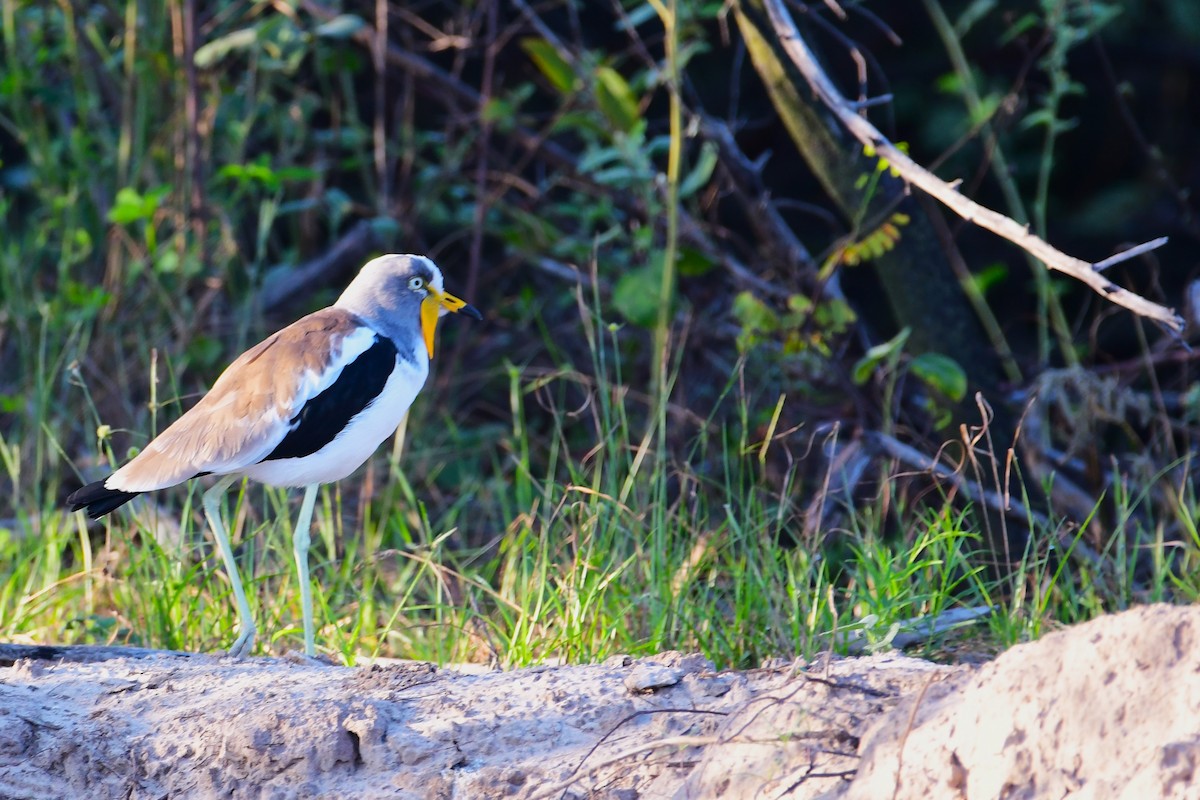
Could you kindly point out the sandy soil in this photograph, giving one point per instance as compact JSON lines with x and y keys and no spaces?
{"x":1107,"y":709}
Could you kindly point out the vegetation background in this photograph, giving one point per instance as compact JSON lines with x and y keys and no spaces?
{"x":735,"y":391}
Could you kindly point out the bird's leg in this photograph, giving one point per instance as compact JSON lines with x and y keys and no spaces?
{"x":300,"y":541}
{"x":245,"y":640}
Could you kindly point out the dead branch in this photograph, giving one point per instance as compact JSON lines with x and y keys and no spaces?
{"x":916,"y":460}
{"x":346,"y":254}
{"x":79,"y":653}
{"x":947,"y":193}
{"x":764,"y":216}
{"x":919,"y":630}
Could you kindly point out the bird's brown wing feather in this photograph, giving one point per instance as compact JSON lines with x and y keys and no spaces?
{"x":246,"y":413}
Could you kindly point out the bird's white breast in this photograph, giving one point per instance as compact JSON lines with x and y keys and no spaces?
{"x":357,"y":441}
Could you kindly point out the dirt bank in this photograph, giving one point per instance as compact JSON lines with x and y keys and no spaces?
{"x":1101,"y":710}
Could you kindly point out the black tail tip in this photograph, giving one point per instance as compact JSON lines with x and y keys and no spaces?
{"x":96,"y":499}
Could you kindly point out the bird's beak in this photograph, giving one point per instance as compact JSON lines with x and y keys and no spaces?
{"x":434,"y":305}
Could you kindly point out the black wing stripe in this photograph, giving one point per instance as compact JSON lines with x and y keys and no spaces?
{"x":325,"y":415}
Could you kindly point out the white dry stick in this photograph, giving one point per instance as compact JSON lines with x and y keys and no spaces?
{"x":948,"y":193}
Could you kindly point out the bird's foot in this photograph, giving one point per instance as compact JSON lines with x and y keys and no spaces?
{"x":243,"y":644}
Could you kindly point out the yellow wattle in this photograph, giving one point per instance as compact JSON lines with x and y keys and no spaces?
{"x":430,"y":311}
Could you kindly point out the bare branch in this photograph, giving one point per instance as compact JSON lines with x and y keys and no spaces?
{"x":947,"y":193}
{"x":80,"y":653}
{"x":916,"y":460}
{"x":282,"y":285}
{"x":1132,"y":252}
{"x":764,"y":216}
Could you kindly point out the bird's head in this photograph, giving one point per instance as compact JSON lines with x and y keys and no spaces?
{"x":406,"y":290}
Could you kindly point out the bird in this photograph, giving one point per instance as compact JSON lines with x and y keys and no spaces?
{"x":306,"y":406}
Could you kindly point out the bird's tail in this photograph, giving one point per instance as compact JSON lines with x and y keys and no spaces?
{"x":97,"y":499}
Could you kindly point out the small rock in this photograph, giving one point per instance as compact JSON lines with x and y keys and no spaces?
{"x":646,"y":677}
{"x":687,"y":662}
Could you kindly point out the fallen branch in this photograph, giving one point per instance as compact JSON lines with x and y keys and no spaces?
{"x":79,"y":653}
{"x":919,"y":630}
{"x":346,"y":254}
{"x":916,"y":460}
{"x":947,"y":193}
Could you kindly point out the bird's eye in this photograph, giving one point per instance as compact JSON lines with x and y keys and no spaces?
{"x":416,"y":283}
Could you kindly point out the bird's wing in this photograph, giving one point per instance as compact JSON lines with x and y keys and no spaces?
{"x":254,"y":405}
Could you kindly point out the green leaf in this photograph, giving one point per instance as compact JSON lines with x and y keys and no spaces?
{"x":167,"y":262}
{"x":339,"y":205}
{"x":127,"y":207}
{"x":889,"y":351}
{"x":530,"y":232}
{"x":637,"y":294}
{"x":550,"y":63}
{"x":949,"y":83}
{"x":260,"y":171}
{"x":941,"y":373}
{"x":213,"y":52}
{"x":616,"y":99}
{"x":343,"y":26}
{"x":385,"y":229}
{"x":84,"y":297}
{"x":754,"y":314}
{"x":205,"y":351}
{"x":692,"y":263}
{"x":348,"y":137}
{"x":496,"y":109}
{"x":987,"y":108}
{"x":596,"y":158}
{"x":756,"y":317}
{"x":834,"y":316}
{"x":131,"y":206}
{"x":1023,"y":24}
{"x":800,"y":304}
{"x":698,"y":178}
{"x":639,"y":15}
{"x":991,"y":275}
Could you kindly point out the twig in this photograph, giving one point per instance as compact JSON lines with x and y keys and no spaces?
{"x":193,"y":165}
{"x":908,"y":726}
{"x":847,"y":465}
{"x":670,"y":741}
{"x":579,"y":771}
{"x":1132,"y":252}
{"x":947,"y":193}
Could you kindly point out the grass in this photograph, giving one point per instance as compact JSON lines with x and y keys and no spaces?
{"x":572,"y":542}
